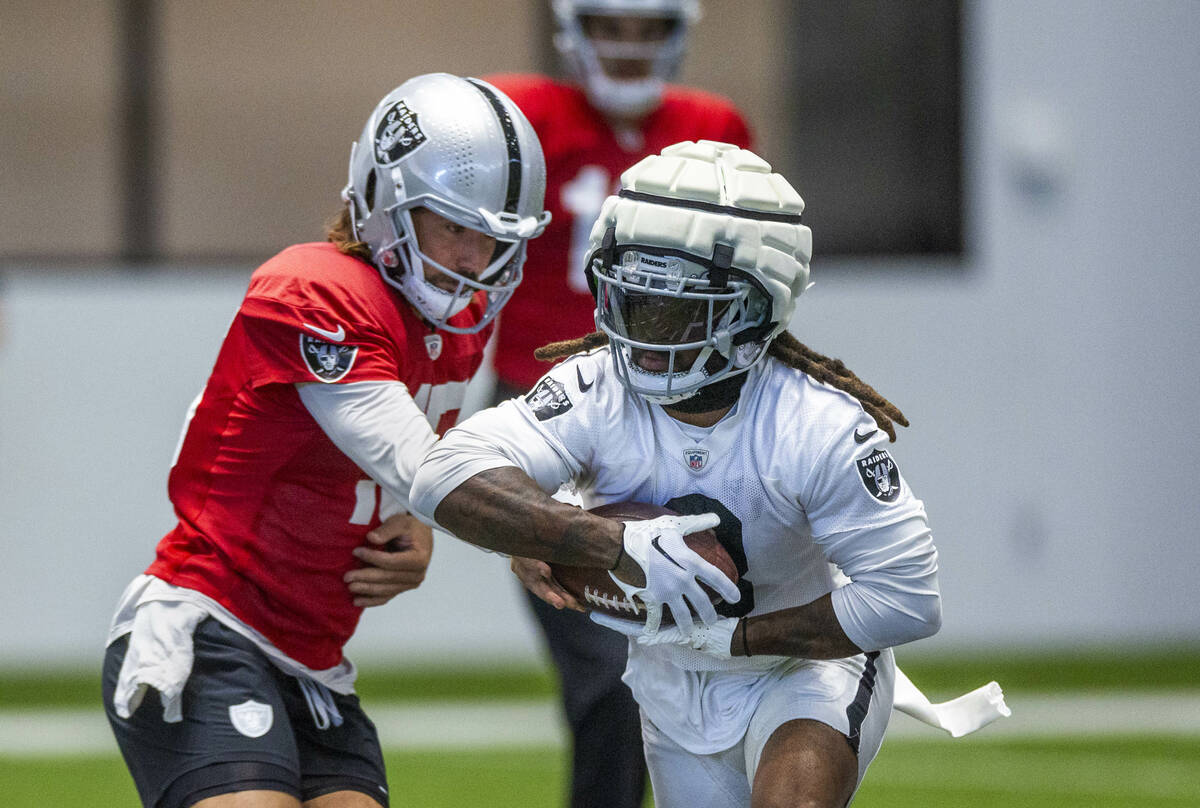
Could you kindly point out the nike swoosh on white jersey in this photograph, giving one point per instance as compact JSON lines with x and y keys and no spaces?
{"x":332,"y":336}
{"x":583,"y":386}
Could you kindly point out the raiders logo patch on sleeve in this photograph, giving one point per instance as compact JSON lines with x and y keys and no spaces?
{"x":327,"y":361}
{"x":548,"y":399}
{"x":880,"y":475}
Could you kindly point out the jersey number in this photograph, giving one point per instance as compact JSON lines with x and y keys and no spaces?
{"x":729,"y":533}
{"x":583,"y":197}
{"x":441,"y":403}
{"x":368,"y":498}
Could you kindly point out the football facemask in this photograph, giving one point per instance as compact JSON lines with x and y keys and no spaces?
{"x":440,"y":302}
{"x":710,"y":228}
{"x":677,"y":323}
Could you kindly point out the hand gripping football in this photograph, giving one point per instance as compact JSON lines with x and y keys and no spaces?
{"x":593,"y":587}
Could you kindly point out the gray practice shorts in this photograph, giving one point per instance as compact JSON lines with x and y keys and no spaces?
{"x":246,"y":725}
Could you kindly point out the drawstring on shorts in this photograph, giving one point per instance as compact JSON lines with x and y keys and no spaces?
{"x":321,"y":705}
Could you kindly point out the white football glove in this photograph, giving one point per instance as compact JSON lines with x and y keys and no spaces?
{"x":672,"y":569}
{"x":713,"y":638}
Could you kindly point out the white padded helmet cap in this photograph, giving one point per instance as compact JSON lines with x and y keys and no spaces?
{"x":697,"y":263}
{"x":697,"y":194}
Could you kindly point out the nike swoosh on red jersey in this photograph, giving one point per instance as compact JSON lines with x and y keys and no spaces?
{"x":332,"y":336}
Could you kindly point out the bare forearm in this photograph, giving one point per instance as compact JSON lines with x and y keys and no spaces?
{"x":811,"y":631}
{"x":503,"y":509}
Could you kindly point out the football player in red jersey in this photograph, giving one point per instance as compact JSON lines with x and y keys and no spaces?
{"x":617,"y":109}
{"x":344,"y":362}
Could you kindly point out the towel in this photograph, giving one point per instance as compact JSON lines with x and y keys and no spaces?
{"x":959,"y":716}
{"x":160,"y":656}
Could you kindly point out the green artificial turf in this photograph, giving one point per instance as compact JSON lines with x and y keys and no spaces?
{"x":499,"y":779}
{"x":1117,"y":668}
{"x":1088,"y":669}
{"x":98,"y":782}
{"x":1041,"y":773}
{"x":1110,"y":772}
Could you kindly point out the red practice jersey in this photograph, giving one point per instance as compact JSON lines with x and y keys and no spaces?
{"x":584,"y":161}
{"x":269,"y":509}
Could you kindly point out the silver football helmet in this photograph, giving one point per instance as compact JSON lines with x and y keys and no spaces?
{"x":581,"y":54}
{"x":460,"y":148}
{"x":696,"y":264}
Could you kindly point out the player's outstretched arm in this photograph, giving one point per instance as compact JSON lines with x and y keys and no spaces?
{"x":503,"y":509}
{"x":487,"y":480}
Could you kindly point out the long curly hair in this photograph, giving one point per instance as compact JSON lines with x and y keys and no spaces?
{"x":339,"y":232}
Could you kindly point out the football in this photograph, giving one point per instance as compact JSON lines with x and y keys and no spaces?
{"x":593,"y":587}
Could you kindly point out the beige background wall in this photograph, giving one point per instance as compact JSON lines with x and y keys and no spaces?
{"x":1049,"y":373}
{"x":58,"y":141}
{"x":259,"y":103}
{"x":739,"y":50}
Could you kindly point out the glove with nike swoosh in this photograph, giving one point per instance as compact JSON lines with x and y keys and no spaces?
{"x":673,"y":571}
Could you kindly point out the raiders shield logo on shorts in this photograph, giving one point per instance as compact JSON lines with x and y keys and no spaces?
{"x":397,"y":134}
{"x":327,"y":361}
{"x":880,"y":475}
{"x":251,"y":718}
{"x":548,"y":399}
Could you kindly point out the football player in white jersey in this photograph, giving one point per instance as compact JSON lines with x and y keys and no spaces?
{"x":702,"y":402}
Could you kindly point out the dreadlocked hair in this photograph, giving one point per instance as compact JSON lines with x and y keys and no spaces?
{"x":793,"y":353}
{"x":566,"y":347}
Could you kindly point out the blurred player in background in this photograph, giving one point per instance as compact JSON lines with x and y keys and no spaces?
{"x":616,"y":109}
{"x":344,"y":362}
{"x":701,"y":401}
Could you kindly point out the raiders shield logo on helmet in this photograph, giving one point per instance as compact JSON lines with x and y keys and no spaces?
{"x":880,"y":475}
{"x":548,"y":399}
{"x":397,"y":134}
{"x":327,"y":361}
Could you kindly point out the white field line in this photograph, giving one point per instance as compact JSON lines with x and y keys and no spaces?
{"x":458,"y":725}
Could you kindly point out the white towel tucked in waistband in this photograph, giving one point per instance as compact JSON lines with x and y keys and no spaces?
{"x":959,"y":716}
{"x":160,"y":656}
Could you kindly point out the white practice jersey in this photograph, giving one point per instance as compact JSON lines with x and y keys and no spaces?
{"x":798,"y":473}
